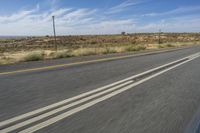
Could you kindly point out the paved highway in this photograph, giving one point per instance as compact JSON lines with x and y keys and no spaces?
{"x":156,"y":93}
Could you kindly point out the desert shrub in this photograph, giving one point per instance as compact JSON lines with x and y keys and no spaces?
{"x":135,"y":48}
{"x":165,"y":45}
{"x":62,"y":54}
{"x":120,"y":49}
{"x":109,"y":50}
{"x":34,"y":56}
{"x":94,"y":42}
{"x":84,"y":52}
{"x":161,"y":46}
{"x":170,"y":45}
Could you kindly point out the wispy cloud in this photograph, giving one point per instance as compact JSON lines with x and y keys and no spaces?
{"x":78,"y":14}
{"x":38,"y":22}
{"x":176,"y":11}
{"x":175,"y":24}
{"x":17,"y":16}
{"x":123,"y":6}
{"x":76,"y":17}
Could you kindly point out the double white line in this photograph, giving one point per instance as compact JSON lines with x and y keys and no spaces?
{"x":58,"y":111}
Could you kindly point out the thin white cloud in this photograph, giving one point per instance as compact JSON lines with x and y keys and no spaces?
{"x":78,"y":14}
{"x":101,"y":27}
{"x":17,"y":16}
{"x":123,"y":6}
{"x":176,"y":11}
{"x":59,"y":13}
{"x":53,"y":4}
{"x":177,"y":24}
{"x":34,"y":22}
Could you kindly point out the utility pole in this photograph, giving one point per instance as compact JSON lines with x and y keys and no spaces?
{"x":159,"y":38}
{"x":54,"y":31}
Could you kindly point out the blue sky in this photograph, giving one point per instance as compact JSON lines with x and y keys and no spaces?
{"x":33,"y":17}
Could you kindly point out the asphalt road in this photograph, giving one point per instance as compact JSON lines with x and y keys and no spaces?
{"x":168,"y":103}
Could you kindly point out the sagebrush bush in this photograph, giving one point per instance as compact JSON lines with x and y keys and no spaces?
{"x":135,"y":48}
{"x":165,"y":45}
{"x":170,"y":45}
{"x":84,"y":52}
{"x":62,"y":54}
{"x":88,"y":51}
{"x":34,"y":56}
{"x":108,"y":50}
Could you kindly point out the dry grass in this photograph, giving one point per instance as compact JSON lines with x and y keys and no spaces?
{"x":136,"y":48}
{"x":84,"y":52}
{"x":35,"y":55}
{"x":60,"y":54}
{"x":6,"y":60}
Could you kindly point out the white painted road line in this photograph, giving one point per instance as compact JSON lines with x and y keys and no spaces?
{"x":82,"y":98}
{"x":87,"y":105}
{"x":42,"y":116}
{"x":29,"y":114}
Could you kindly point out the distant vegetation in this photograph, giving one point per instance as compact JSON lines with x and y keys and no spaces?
{"x":74,"y":42}
{"x":39,"y":48}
